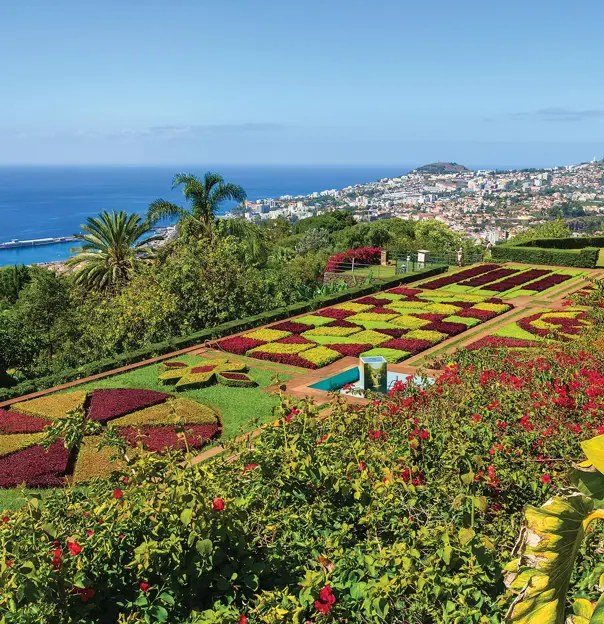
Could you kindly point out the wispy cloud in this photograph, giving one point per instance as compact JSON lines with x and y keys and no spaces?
{"x":554,"y":114}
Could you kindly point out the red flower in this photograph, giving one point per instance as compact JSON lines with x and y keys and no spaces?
{"x":5,"y":519}
{"x":242,"y":620}
{"x":546,"y":478}
{"x":125,"y":480}
{"x":74,"y":548}
{"x":250,"y":467}
{"x":476,"y":418}
{"x":424,"y":435}
{"x":9,"y":563}
{"x":86,"y":593}
{"x":117,"y":493}
{"x":326,"y":600}
{"x":56,"y":560}
{"x":362,"y":466}
{"x":86,"y":514}
{"x":144,"y":586}
{"x":218,"y":504}
{"x":90,"y":533}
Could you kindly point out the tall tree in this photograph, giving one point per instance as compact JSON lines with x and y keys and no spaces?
{"x":111,"y":250}
{"x":205,"y":196}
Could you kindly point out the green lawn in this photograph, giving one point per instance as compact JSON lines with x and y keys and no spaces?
{"x":238,"y":407}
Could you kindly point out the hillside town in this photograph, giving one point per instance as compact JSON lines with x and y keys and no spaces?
{"x":487,"y":205}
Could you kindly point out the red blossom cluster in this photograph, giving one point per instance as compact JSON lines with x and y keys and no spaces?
{"x":162,"y":438}
{"x":498,"y":342}
{"x":364,"y":255}
{"x":326,"y":600}
{"x":14,"y":422}
{"x":351,"y":350}
{"x":35,"y":467}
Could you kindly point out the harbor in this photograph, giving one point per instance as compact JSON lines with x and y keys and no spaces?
{"x":36,"y":242}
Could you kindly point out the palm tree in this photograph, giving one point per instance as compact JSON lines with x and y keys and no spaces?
{"x":256,"y":249}
{"x":205,"y":197}
{"x":110,"y":253}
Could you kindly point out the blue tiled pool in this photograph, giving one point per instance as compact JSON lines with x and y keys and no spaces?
{"x":351,"y":376}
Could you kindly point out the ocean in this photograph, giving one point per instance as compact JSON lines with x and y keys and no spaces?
{"x":41,"y":202}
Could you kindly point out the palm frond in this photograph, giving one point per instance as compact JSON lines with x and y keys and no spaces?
{"x":162,"y":209}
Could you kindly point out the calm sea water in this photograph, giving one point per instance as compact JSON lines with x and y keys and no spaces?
{"x":40,"y":202}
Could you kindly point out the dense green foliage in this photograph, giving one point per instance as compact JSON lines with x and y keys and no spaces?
{"x":551,"y":229}
{"x":586,"y":258}
{"x":404,"y":510}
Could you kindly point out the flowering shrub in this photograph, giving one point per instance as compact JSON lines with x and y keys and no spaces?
{"x":52,"y":406}
{"x":106,"y":404}
{"x":364,"y":255}
{"x":14,"y":422}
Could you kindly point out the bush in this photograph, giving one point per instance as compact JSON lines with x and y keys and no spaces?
{"x":584,"y":257}
{"x":362,"y":256}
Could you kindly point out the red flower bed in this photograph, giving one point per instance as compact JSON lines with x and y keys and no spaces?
{"x":335,"y":313}
{"x":295,"y":339}
{"x":430,"y":316}
{"x":447,"y":280}
{"x":380,"y":310}
{"x":407,"y":344}
{"x":235,"y":376}
{"x":565,"y":326}
{"x":402,"y":290}
{"x":363,"y":255}
{"x":548,"y":282}
{"x":341,"y":323}
{"x":395,"y":333}
{"x":106,"y":404}
{"x":203,"y":369}
{"x":289,"y":326}
{"x":174,"y":364}
{"x":239,"y":345}
{"x":13,"y":422}
{"x":452,"y":329}
{"x":163,"y":438}
{"x":285,"y":358}
{"x":518,"y":280}
{"x":353,"y":350}
{"x":489,"y":277}
{"x":497,"y":342}
{"x":375,"y":301}
{"x":483,"y":315}
{"x":35,"y":467}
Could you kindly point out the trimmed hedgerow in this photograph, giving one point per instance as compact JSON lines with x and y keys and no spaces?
{"x":109,"y":403}
{"x":353,"y":306}
{"x":14,"y":422}
{"x":315,"y":320}
{"x":35,"y":467}
{"x":586,"y":257}
{"x":371,"y":337}
{"x":499,"y":308}
{"x":175,"y":410}
{"x":423,"y":334}
{"x":331,"y":331}
{"x":279,"y":347}
{"x":161,"y":439}
{"x":410,"y":345}
{"x":321,"y":356}
{"x":93,"y":463}
{"x":52,"y":406}
{"x":169,"y":377}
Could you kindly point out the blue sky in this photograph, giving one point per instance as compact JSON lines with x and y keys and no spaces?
{"x":313,"y":81}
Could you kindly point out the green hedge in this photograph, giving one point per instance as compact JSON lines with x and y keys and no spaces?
{"x":565,"y":243}
{"x":212,"y":333}
{"x":585,"y":258}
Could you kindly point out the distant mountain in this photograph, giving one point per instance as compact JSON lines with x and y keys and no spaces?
{"x":441,"y":167}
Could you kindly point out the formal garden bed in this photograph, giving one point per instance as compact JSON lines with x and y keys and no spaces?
{"x":177,"y":405}
{"x":507,"y":281}
{"x":396,"y":324}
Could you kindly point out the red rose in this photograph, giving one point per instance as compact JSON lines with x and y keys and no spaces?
{"x":74,"y":548}
{"x":243,"y":619}
{"x":144,"y":586}
{"x":218,"y":504}
{"x":56,"y":560}
{"x":546,"y":478}
{"x":326,"y":600}
{"x":117,"y":493}
{"x":362,"y":466}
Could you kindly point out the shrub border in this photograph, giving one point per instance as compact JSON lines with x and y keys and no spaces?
{"x":567,"y":252}
{"x":178,"y":345}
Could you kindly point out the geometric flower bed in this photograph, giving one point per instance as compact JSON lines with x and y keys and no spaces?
{"x":496,"y":280}
{"x":185,"y":377}
{"x":146,"y":419}
{"x":395,"y":324}
{"x":530,"y":331}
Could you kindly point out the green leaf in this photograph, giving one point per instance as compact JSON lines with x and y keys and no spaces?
{"x":27,"y":568}
{"x":481,"y":503}
{"x":186,"y":515}
{"x":49,"y":528}
{"x":589,"y":482}
{"x":205,"y":547}
{"x":161,"y":615}
{"x":167,"y":598}
{"x":465,"y":535}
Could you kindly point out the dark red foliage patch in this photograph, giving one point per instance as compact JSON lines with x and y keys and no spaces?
{"x":235,"y":376}
{"x":106,"y":404}
{"x":163,"y":438}
{"x":548,"y":282}
{"x":380,"y":310}
{"x":239,"y":345}
{"x":335,"y":313}
{"x":457,"y":277}
{"x":430,"y":316}
{"x":295,"y":339}
{"x":353,"y":350}
{"x":488,"y":278}
{"x":374,"y":301}
{"x":407,"y":344}
{"x":518,"y":280}
{"x":402,"y":290}
{"x":395,"y":333}
{"x":483,"y":315}
{"x":341,"y":323}
{"x":203,"y":369}
{"x":285,"y":358}
{"x":290,"y":326}
{"x":497,"y":342}
{"x":13,"y":422}
{"x":35,"y":467}
{"x":174,"y":364}
{"x":451,"y":329}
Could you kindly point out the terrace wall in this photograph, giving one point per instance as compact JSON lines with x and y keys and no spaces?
{"x":212,"y":333}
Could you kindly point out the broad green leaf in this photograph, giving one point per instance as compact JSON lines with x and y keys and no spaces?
{"x":594,"y":449}
{"x":185,"y":516}
{"x":589,"y":482}
{"x":204,"y":547}
{"x":465,"y":535}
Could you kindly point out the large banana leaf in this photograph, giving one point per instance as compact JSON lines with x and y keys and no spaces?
{"x":548,"y":545}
